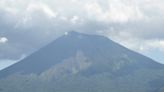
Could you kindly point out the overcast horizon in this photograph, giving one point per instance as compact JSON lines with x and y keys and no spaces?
{"x":28,"y":25}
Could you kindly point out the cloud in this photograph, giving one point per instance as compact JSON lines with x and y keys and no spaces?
{"x":7,"y":62}
{"x":30,"y":24}
{"x":34,"y":7}
{"x":120,"y":11}
{"x":154,"y":44}
{"x":3,"y":40}
{"x":117,"y":11}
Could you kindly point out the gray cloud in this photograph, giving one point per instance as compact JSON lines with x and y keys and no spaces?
{"x":29,"y":25}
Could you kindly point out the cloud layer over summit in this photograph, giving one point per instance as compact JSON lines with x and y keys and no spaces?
{"x":26,"y":25}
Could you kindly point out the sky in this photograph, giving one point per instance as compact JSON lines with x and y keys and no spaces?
{"x":27,"y":25}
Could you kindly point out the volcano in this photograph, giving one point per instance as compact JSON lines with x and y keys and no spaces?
{"x":78,"y":62}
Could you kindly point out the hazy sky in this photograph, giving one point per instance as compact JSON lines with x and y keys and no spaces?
{"x":26,"y":25}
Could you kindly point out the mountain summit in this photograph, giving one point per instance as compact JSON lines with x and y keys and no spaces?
{"x":77,"y":62}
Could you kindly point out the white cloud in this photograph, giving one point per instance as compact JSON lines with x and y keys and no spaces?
{"x":117,"y":11}
{"x":154,"y":44}
{"x":94,"y":10}
{"x":33,"y":7}
{"x":7,"y":62}
{"x":3,"y":39}
{"x":74,"y":19}
{"x":120,"y":11}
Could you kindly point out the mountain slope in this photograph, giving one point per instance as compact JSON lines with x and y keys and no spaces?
{"x":80,"y":62}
